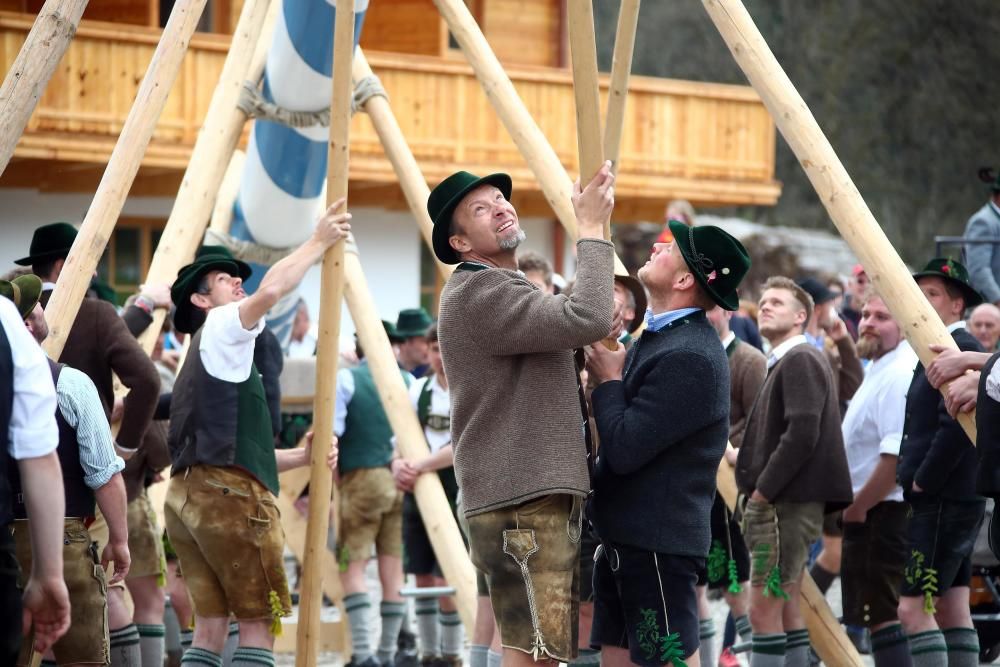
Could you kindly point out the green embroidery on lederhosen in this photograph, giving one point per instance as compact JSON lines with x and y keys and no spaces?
{"x":651,"y":642}
{"x":917,"y":573}
{"x":716,"y":564}
{"x":761,"y":556}
{"x":734,"y":577}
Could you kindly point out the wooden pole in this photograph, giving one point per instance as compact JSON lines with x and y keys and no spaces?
{"x":44,"y":47}
{"x":327,"y":349}
{"x":583,"y":51}
{"x":825,"y":632}
{"x":833,"y":184}
{"x":435,"y":510}
{"x":621,"y":67}
{"x":122,"y":168}
{"x":408,"y":173}
{"x":210,"y":157}
{"x":532,"y":144}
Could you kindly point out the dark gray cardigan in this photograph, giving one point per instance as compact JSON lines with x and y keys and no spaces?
{"x":663,"y":430}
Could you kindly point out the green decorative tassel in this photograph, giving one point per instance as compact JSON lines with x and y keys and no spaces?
{"x":929,"y":587}
{"x":716,"y":564}
{"x":343,"y":558}
{"x":772,"y":585}
{"x":277,"y":611}
{"x":671,"y":650}
{"x":734,"y":578}
{"x":161,"y":578}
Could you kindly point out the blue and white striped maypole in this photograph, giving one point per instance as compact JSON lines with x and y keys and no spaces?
{"x":282,"y":188}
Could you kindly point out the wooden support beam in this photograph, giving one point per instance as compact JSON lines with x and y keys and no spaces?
{"x":327,"y":349}
{"x":411,"y":180}
{"x":583,"y":51}
{"x":34,"y":65}
{"x":621,"y":68}
{"x":110,"y":197}
{"x":841,"y":198}
{"x":449,"y":548}
{"x":210,"y":157}
{"x":510,"y":108}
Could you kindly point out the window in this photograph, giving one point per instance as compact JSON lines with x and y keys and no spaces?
{"x":130,"y":250}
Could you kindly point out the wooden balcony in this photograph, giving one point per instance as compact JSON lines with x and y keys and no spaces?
{"x":709,"y":143}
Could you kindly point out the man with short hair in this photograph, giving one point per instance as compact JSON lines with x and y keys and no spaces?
{"x":220,"y":511}
{"x":937,"y":471}
{"x":874,"y":525}
{"x":537,"y":270}
{"x":983,"y":259}
{"x":793,"y":470}
{"x":411,"y":332}
{"x":302,"y":343}
{"x":517,"y":421}
{"x":91,"y":473}
{"x":662,"y":414}
{"x":984,"y":323}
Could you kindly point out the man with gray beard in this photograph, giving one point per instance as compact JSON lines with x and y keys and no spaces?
{"x":874,"y":549}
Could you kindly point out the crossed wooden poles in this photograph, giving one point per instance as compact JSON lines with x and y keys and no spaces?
{"x":342,"y":273}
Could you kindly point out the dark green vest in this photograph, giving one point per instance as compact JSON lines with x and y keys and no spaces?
{"x":219,"y":423}
{"x":367,"y":438}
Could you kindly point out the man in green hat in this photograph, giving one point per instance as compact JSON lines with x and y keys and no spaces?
{"x":937,"y":469}
{"x":517,"y":422}
{"x":662,"y":415}
{"x":220,"y":512}
{"x":411,"y":331}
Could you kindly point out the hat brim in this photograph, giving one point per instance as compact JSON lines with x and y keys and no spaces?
{"x":639,"y":294}
{"x":30,"y":289}
{"x":728,"y":301}
{"x":187,"y":318}
{"x":42,"y":256}
{"x":972,"y":297}
{"x":442,"y":223}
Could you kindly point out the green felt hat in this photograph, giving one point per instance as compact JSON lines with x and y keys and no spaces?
{"x":51,"y":241}
{"x":102,"y":290}
{"x":187,"y":318}
{"x":412,"y":322}
{"x":446,"y":196}
{"x":24,"y":291}
{"x":716,"y":258}
{"x":953,"y":272}
{"x":390,"y":331}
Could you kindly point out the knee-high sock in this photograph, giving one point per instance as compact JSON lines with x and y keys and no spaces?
{"x":797,"y":648}
{"x":199,"y":657}
{"x":889,"y":647}
{"x":494,"y":659}
{"x":125,"y":650}
{"x":768,"y":650}
{"x":427,"y":626}
{"x":151,"y":644}
{"x":232,"y":643}
{"x":452,"y":638}
{"x":587,"y":656}
{"x":392,"y":618}
{"x":928,"y":649}
{"x":244,"y":656}
{"x":358,"y":607}
{"x":187,"y":637}
{"x":706,"y":639}
{"x":479,"y":655}
{"x":743,"y":628}
{"x":963,"y":646}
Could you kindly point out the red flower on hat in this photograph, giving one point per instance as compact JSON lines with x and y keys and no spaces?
{"x":710,"y":278}
{"x":946,"y":269}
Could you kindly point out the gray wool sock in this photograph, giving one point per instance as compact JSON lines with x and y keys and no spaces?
{"x":768,"y":650}
{"x":706,"y":639}
{"x":928,"y":649}
{"x":493,"y":659}
{"x":479,"y":655}
{"x":890,"y":648}
{"x":151,"y":644}
{"x":743,"y":628}
{"x":963,"y":646}
{"x":125,"y":651}
{"x":797,"y":648}
{"x":588,"y":656}
{"x":452,"y":636}
{"x":245,"y":656}
{"x":187,"y":637}
{"x":392,"y":618}
{"x":232,"y":643}
{"x":427,"y":626}
{"x":200,"y":657}
{"x":358,"y":607}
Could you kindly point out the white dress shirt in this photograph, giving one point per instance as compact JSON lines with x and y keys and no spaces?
{"x":33,"y":431}
{"x":226,"y":345}
{"x":440,"y":405}
{"x":873,"y":424}
{"x":780,"y":351}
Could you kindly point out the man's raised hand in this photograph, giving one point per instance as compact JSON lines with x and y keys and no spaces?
{"x":593,"y":204}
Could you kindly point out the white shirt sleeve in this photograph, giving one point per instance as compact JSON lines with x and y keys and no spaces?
{"x":226,"y":346}
{"x":892,"y":409}
{"x":33,"y":430}
{"x":993,"y":383}
{"x":345,"y":392}
{"x":81,"y":407}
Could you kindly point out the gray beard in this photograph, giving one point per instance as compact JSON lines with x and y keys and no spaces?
{"x":511,"y":242}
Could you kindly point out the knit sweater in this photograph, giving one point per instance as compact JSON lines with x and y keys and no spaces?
{"x":663,"y":431}
{"x":516,"y":423}
{"x":747,"y":370}
{"x":793,"y":448}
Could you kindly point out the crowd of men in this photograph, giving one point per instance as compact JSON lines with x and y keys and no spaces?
{"x":580,"y":454}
